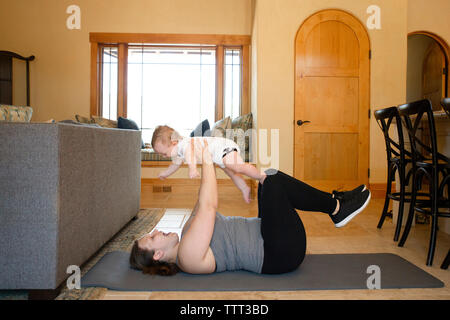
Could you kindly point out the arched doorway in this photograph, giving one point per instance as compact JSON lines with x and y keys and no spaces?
{"x":331,"y":109}
{"x":427,"y":69}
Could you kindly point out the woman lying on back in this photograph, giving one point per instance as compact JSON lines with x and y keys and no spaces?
{"x":274,"y":242}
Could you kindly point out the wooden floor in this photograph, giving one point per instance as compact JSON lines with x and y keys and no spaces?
{"x":359,"y":236}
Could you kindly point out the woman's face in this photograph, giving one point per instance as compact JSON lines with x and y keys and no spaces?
{"x":158,"y":240}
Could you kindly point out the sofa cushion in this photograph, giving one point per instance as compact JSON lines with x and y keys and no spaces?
{"x":201,"y":129}
{"x":82,"y":119}
{"x":70,"y":121}
{"x":15,"y":113}
{"x":241,"y":135}
{"x":243,"y":122}
{"x":103,"y":122}
{"x":124,"y":123}
{"x":219,"y":128}
{"x":148,"y":154}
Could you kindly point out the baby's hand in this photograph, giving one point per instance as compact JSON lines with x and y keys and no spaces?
{"x":162,"y":175}
{"x":193,"y":174}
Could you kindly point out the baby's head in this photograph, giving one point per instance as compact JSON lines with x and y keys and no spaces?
{"x":164,"y":140}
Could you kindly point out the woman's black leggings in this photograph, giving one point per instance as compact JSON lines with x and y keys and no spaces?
{"x":281,"y":227}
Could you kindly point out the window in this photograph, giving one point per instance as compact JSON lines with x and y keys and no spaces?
{"x":178,"y":80}
{"x":108,"y":97}
{"x":171,"y":85}
{"x":232,"y":88}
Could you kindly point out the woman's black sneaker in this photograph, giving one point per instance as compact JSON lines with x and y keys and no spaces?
{"x":349,"y":194}
{"x":350,"y":208}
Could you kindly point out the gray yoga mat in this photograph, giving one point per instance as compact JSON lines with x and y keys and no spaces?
{"x":317,"y":272}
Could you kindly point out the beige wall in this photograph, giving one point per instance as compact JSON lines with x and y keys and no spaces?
{"x":60,"y":79}
{"x":277,"y":23}
{"x":430,"y":15}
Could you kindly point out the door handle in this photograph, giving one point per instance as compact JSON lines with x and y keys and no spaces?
{"x":300,"y":122}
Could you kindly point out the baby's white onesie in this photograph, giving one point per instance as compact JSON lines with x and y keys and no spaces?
{"x":218,"y":147}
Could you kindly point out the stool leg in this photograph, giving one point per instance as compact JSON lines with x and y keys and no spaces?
{"x":387,"y":199}
{"x":411,"y":211}
{"x":434,"y":219}
{"x":401,"y":204}
{"x":446,"y":261}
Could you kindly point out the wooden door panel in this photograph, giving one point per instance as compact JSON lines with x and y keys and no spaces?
{"x":332,"y":44}
{"x":331,"y":156}
{"x":331,"y":101}
{"x":432,"y":75}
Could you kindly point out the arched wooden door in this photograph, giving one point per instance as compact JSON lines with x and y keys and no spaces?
{"x":433,"y":75}
{"x":332,"y":75}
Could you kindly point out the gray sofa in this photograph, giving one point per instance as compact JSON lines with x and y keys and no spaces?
{"x":65,"y":190}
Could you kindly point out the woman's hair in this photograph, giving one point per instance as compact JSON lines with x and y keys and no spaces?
{"x":142,"y":259}
{"x":165,"y":134}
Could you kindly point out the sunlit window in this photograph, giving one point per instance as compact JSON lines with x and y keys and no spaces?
{"x":173,"y":79}
{"x":232,"y":88}
{"x":171,"y":85}
{"x":109,"y":83}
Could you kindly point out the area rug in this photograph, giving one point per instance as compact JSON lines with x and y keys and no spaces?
{"x":317,"y":272}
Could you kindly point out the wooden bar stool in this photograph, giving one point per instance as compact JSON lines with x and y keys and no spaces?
{"x":397,"y":160}
{"x":445,"y":103}
{"x":446,"y":261}
{"x":435,"y":165}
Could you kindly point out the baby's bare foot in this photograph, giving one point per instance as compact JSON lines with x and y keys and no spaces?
{"x":247,"y":194}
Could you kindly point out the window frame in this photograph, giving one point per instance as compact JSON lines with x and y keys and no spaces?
{"x":121,"y":40}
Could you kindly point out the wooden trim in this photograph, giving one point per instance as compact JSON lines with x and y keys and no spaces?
{"x":378,"y":190}
{"x":95,"y":84}
{"x":245,"y":97}
{"x":155,"y":164}
{"x":100,"y":81}
{"x":122,"y":80}
{"x":213,"y":39}
{"x":434,"y":36}
{"x":219,"y":82}
{"x":182,"y":181}
{"x":179,"y":184}
{"x":10,"y":55}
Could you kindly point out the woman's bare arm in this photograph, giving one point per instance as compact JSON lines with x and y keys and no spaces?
{"x":191,"y":160}
{"x":194,"y":253}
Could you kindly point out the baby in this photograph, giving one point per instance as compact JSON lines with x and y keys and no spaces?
{"x":224,"y":152}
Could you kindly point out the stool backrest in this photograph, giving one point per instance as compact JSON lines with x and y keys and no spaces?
{"x":445,"y":103}
{"x":412,"y":114}
{"x":384,"y":118}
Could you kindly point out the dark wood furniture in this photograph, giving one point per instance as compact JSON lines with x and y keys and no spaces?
{"x":6,"y":76}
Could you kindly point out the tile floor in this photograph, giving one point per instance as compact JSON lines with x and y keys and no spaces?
{"x":173,"y":220}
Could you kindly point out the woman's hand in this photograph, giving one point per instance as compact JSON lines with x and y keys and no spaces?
{"x":206,"y":155}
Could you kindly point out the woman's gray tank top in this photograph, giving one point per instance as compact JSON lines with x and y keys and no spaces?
{"x":237,"y":244}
